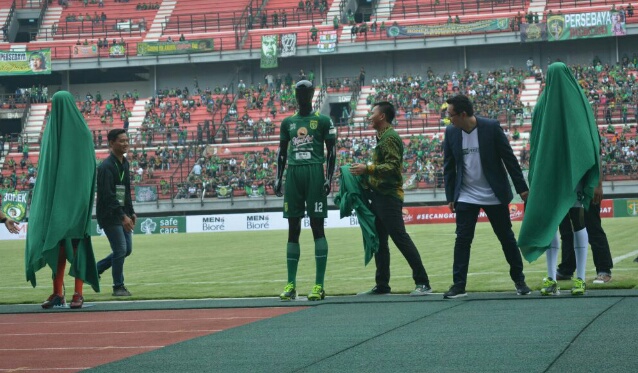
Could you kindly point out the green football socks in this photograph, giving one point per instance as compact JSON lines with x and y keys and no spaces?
{"x":292,"y":260}
{"x":321,"y":259}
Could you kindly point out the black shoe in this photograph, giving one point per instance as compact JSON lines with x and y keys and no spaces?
{"x":121,"y":291}
{"x":375,"y":291}
{"x":562,"y":277}
{"x":54,"y":300}
{"x":522,"y":288}
{"x":455,"y":292}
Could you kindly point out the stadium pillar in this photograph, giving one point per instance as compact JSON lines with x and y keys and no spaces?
{"x":464,"y":58}
{"x":64,"y":79}
{"x":617,"y":56}
{"x":321,"y":67}
{"x":154,"y":79}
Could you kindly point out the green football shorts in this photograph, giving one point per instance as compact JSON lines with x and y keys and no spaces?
{"x":304,"y":188}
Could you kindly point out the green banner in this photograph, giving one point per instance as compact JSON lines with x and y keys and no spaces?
{"x":14,"y":205}
{"x":625,"y":208}
{"x":255,"y":191}
{"x":25,"y":63}
{"x":117,"y":51}
{"x":269,"y":45}
{"x":163,"y":225}
{"x":585,"y":25}
{"x":161,"y":48}
{"x":224,"y":191}
{"x":146,"y":193}
{"x":497,"y":24}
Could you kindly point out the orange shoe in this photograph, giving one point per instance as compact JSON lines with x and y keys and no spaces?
{"x":77,"y":301}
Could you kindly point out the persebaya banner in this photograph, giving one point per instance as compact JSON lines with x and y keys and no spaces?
{"x":269,"y":45}
{"x":14,"y":205}
{"x":25,"y":63}
{"x":585,"y":25}
{"x":161,"y":48}
{"x":327,"y":42}
{"x":147,"y":193}
{"x":531,"y":32}
{"x":288,"y":45}
{"x":224,"y":191}
{"x":448,"y":28}
{"x":626,"y":207}
{"x":84,"y":51}
{"x":117,"y":50}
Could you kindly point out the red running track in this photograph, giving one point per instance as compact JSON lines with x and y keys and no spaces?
{"x":73,"y":341}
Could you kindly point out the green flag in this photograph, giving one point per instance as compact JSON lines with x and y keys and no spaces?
{"x":14,"y":205}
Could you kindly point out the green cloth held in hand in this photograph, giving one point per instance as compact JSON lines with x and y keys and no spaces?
{"x":62,"y":201}
{"x":351,"y":196}
{"x":564,"y":152}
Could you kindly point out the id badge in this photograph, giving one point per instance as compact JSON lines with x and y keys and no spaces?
{"x":119,"y":194}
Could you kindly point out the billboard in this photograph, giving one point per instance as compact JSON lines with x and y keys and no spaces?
{"x":161,"y":48}
{"x":585,"y":25}
{"x":25,"y":62}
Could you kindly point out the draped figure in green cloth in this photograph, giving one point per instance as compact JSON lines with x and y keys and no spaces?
{"x":563,"y":173}
{"x":62,"y":202}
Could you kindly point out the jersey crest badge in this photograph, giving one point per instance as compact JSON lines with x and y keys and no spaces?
{"x":314,"y":124}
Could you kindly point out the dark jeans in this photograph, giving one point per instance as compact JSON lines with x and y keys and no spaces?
{"x":597,"y":240}
{"x":389,"y":222}
{"x":466,"y":218}
{"x":122,"y":246}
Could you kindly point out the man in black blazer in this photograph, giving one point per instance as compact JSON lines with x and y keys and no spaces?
{"x":477,"y":159}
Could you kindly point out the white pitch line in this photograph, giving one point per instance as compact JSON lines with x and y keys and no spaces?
{"x":104,"y":333}
{"x":623,"y":257}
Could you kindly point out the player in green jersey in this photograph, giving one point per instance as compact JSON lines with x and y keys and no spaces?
{"x":301,"y":145}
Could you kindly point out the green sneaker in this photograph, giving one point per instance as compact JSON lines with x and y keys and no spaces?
{"x":579,"y":287}
{"x":317,"y":293}
{"x":550,"y":287}
{"x":289,"y":292}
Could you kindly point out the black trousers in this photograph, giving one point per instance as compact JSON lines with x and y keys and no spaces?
{"x":466,"y":218}
{"x":597,"y":239}
{"x":389,"y":223}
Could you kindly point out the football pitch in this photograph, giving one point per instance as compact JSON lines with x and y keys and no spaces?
{"x":253,"y":264}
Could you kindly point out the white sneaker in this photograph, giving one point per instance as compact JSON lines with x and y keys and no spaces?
{"x":602,"y":278}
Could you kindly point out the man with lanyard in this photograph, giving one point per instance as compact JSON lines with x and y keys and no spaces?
{"x":115,"y":213}
{"x":302,"y":137}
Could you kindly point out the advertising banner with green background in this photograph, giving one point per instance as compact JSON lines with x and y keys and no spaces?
{"x":14,"y":205}
{"x":625,"y":208}
{"x":160,"y":48}
{"x":25,"y":63}
{"x":448,"y":28}
{"x":269,"y":45}
{"x":585,"y":25}
{"x":162,"y":225}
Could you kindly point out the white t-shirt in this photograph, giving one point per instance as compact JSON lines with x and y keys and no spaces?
{"x":475,"y":189}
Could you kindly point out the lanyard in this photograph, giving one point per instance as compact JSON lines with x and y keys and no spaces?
{"x":120,"y":173}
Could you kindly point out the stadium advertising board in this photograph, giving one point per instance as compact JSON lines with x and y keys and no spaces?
{"x":162,"y":225}
{"x":626,"y":208}
{"x":14,"y":205}
{"x":327,"y":42}
{"x":117,"y":51}
{"x":160,"y":48}
{"x":288,"y":45}
{"x":84,"y":51}
{"x":25,"y":63}
{"x":397,"y":31}
{"x":585,"y":25}
{"x":269,"y":45}
{"x":531,"y":32}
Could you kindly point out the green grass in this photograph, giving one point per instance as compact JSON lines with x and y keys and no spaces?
{"x":253,"y":264}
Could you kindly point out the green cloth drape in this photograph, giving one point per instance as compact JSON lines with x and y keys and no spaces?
{"x":564,"y":152}
{"x":351,"y":196}
{"x":62,"y":201}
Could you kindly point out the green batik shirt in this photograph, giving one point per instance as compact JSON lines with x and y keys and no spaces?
{"x":385,"y":173}
{"x":306,"y":136}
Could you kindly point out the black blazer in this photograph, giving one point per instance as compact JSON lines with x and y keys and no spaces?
{"x":496,"y":155}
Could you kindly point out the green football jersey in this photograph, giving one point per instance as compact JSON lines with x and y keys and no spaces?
{"x":306,"y":136}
